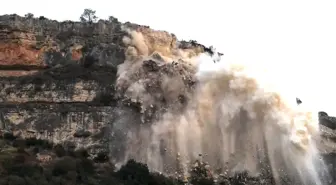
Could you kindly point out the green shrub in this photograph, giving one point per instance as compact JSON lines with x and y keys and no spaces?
{"x":59,"y":150}
{"x":63,"y":166}
{"x":16,"y":180}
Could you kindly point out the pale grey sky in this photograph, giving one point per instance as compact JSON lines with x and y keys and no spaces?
{"x":293,"y":39}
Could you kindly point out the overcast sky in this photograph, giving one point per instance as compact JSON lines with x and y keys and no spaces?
{"x":294,"y":39}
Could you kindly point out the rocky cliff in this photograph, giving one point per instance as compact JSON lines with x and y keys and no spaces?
{"x":58,"y":78}
{"x":58,"y":81}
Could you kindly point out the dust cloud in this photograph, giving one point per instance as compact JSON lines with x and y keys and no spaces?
{"x":231,"y":118}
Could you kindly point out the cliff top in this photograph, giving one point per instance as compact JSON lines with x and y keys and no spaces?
{"x":35,"y":43}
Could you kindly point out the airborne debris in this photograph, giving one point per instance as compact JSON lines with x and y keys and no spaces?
{"x":298,"y":101}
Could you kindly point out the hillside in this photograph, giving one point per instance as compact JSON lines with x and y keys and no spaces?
{"x":59,"y":86}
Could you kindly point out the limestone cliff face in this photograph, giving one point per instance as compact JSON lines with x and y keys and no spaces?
{"x":43,"y":43}
{"x":57,"y":81}
{"x":57,"y":78}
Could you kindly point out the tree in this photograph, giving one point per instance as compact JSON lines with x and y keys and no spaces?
{"x":29,"y":15}
{"x":112,"y":19}
{"x":88,"y":15}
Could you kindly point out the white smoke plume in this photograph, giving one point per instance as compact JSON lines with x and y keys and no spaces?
{"x":235,"y":118}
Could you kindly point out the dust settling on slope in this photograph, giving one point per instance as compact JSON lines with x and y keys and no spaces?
{"x":231,"y":117}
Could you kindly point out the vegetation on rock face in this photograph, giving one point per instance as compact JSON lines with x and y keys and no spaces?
{"x":34,"y":161}
{"x":31,"y":162}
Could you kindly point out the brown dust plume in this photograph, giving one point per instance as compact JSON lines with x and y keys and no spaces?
{"x":231,"y":119}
